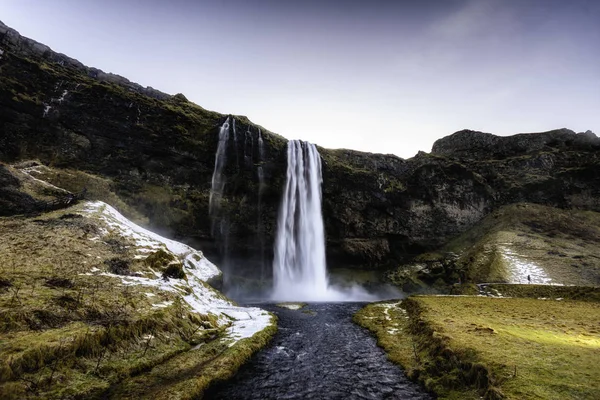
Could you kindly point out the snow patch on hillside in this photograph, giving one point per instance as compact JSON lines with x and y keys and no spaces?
{"x":241,"y":322}
{"x":148,"y":242}
{"x":520,"y":269}
{"x":39,"y":169}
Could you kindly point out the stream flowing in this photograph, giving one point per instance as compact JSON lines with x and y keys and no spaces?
{"x":319,"y":353}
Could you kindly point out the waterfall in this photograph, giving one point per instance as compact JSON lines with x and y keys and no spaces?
{"x":235,"y":145}
{"x":299,"y":268}
{"x":261,"y":185}
{"x":218,"y":179}
{"x":261,"y":146}
{"x":260,"y":170}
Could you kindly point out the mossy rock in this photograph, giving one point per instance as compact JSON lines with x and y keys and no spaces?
{"x":180,"y":98}
{"x":159,"y":260}
{"x":468,"y":289}
{"x":174,"y":271}
{"x":118,"y":266}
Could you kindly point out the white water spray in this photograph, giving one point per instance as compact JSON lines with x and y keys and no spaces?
{"x":299,"y":268}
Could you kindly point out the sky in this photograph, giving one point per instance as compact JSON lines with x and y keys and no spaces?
{"x":378,"y":76}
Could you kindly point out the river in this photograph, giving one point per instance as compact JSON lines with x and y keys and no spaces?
{"x":319,"y":353}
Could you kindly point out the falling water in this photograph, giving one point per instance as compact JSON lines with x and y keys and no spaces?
{"x":261,"y":185}
{"x":235,"y":145}
{"x":260,"y":170}
{"x":248,"y":148}
{"x":219,"y":219}
{"x":261,"y":146}
{"x":299,"y":268}
{"x":218,"y":179}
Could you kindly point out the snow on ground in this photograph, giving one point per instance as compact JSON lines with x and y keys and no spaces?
{"x":520,"y":269}
{"x":386,"y":308}
{"x":149,"y":242}
{"x":38,"y":169}
{"x":241,"y":322}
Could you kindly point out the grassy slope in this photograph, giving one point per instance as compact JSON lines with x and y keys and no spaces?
{"x":65,"y":332}
{"x":467,"y":344}
{"x":564,"y":243}
{"x":188,"y":375}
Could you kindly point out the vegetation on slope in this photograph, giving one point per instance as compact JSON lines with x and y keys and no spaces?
{"x":499,"y":348}
{"x":66,"y":332}
{"x":562,"y":245}
{"x":72,"y":324}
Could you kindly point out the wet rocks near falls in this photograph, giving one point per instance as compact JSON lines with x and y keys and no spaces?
{"x":157,"y":154}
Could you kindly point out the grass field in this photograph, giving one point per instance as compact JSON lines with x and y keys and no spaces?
{"x":513,"y":348}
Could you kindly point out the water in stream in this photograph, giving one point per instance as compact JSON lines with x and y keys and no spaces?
{"x":319,"y":353}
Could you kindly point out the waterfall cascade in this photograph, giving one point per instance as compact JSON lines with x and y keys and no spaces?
{"x":261,"y":186}
{"x":299,"y":268}
{"x":218,"y":179}
{"x":261,"y":159}
{"x":228,"y":164}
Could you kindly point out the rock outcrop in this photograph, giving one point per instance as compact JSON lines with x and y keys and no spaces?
{"x":158,"y":153}
{"x":468,"y":144}
{"x":30,"y":48}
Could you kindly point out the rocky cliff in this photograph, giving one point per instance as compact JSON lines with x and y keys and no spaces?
{"x":156,"y":153}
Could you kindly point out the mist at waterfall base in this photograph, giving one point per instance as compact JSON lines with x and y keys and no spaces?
{"x":299,"y":266}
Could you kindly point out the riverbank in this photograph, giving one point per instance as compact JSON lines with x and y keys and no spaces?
{"x":464,"y":347}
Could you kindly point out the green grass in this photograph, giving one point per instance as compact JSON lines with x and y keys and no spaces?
{"x":513,"y":348}
{"x":66,"y":333}
{"x":564,"y":242}
{"x":75,"y":181}
{"x":189,"y":374}
{"x":580,"y":293}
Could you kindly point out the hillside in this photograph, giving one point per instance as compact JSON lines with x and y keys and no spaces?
{"x":91,"y":303}
{"x":548,"y":245}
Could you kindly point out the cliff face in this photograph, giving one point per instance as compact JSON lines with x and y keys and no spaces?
{"x":158,"y":152}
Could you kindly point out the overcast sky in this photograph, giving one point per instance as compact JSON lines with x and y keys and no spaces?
{"x":380,"y":76}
